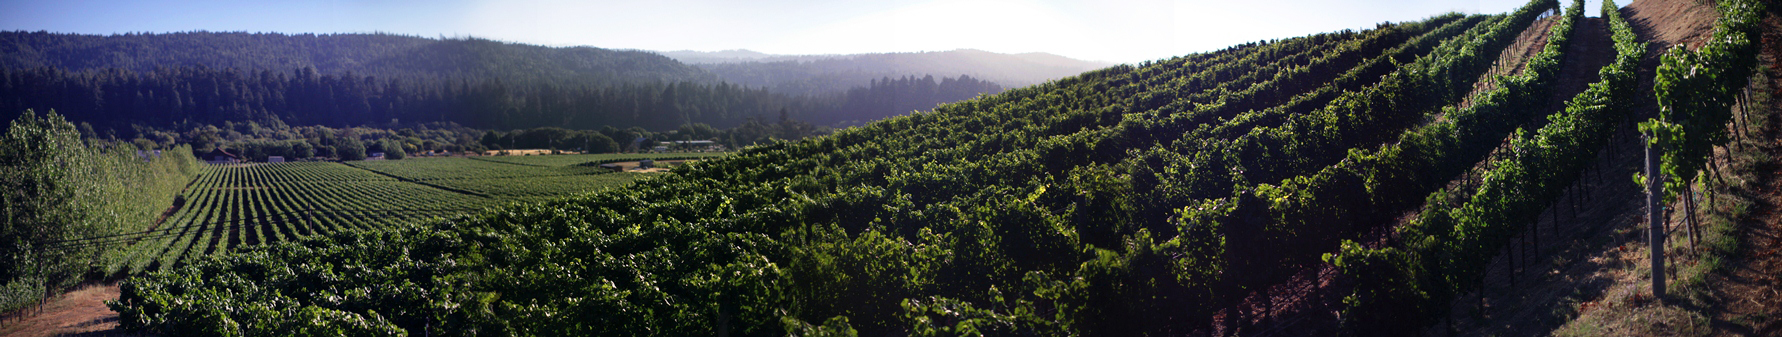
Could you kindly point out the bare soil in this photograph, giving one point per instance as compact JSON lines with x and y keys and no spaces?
{"x":1672,"y":22}
{"x":79,"y":313}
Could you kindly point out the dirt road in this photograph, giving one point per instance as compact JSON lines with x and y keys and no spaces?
{"x":79,"y":313}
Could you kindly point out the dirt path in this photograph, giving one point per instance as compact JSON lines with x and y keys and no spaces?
{"x":1670,"y":22}
{"x":80,"y":313}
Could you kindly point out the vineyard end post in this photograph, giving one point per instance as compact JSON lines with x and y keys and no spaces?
{"x":1655,"y":220}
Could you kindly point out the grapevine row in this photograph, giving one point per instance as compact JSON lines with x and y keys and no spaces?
{"x":1364,"y":60}
{"x":229,"y":207}
{"x":1268,"y":232}
{"x":1442,"y":252}
{"x":1697,"y":89}
{"x":1305,"y":142}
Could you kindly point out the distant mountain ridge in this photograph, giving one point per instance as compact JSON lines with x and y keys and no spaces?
{"x":818,"y":74}
{"x":382,"y":55}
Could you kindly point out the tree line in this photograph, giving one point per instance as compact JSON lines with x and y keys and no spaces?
{"x":64,"y":195}
{"x":380,"y":55}
{"x":181,"y":97}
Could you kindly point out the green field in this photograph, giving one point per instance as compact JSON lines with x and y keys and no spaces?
{"x":465,"y":168}
{"x":577,"y":159}
{"x":229,"y":207}
{"x":537,"y":188}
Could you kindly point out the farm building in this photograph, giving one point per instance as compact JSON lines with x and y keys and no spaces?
{"x":695,"y":145}
{"x":221,"y":156}
{"x":275,"y":159}
{"x":148,"y":155}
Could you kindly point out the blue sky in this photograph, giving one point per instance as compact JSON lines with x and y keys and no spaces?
{"x":1107,"y":30}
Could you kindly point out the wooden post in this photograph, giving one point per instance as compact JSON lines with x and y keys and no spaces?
{"x":1481,"y":304}
{"x":1744,"y":108}
{"x":1510,"y":257}
{"x":1655,"y":219}
{"x":1688,"y":214}
{"x":1574,"y":196}
{"x":1737,"y":130}
{"x":1715,"y":168}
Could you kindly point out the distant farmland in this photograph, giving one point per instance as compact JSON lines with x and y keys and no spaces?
{"x":231,"y":207}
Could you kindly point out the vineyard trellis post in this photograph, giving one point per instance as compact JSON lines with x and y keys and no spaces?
{"x":1654,"y":218}
{"x":1689,"y":199}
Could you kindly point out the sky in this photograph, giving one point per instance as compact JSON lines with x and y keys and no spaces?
{"x":1118,"y":31}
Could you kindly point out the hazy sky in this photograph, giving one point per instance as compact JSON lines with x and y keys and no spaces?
{"x":1108,"y":30}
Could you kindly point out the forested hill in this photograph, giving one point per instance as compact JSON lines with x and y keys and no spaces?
{"x":817,"y":74}
{"x":173,"y":80}
{"x":378,"y":55}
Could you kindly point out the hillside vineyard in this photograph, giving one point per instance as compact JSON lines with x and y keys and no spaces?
{"x":229,"y":208}
{"x":1134,"y":200}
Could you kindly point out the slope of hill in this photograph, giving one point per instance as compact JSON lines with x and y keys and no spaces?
{"x":1122,"y":201}
{"x":381,"y":55}
{"x":1592,"y":276}
{"x":1165,"y":198}
{"x":817,"y":74}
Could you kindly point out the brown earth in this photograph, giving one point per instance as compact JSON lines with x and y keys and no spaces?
{"x":78,"y":313}
{"x":1670,"y":22}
